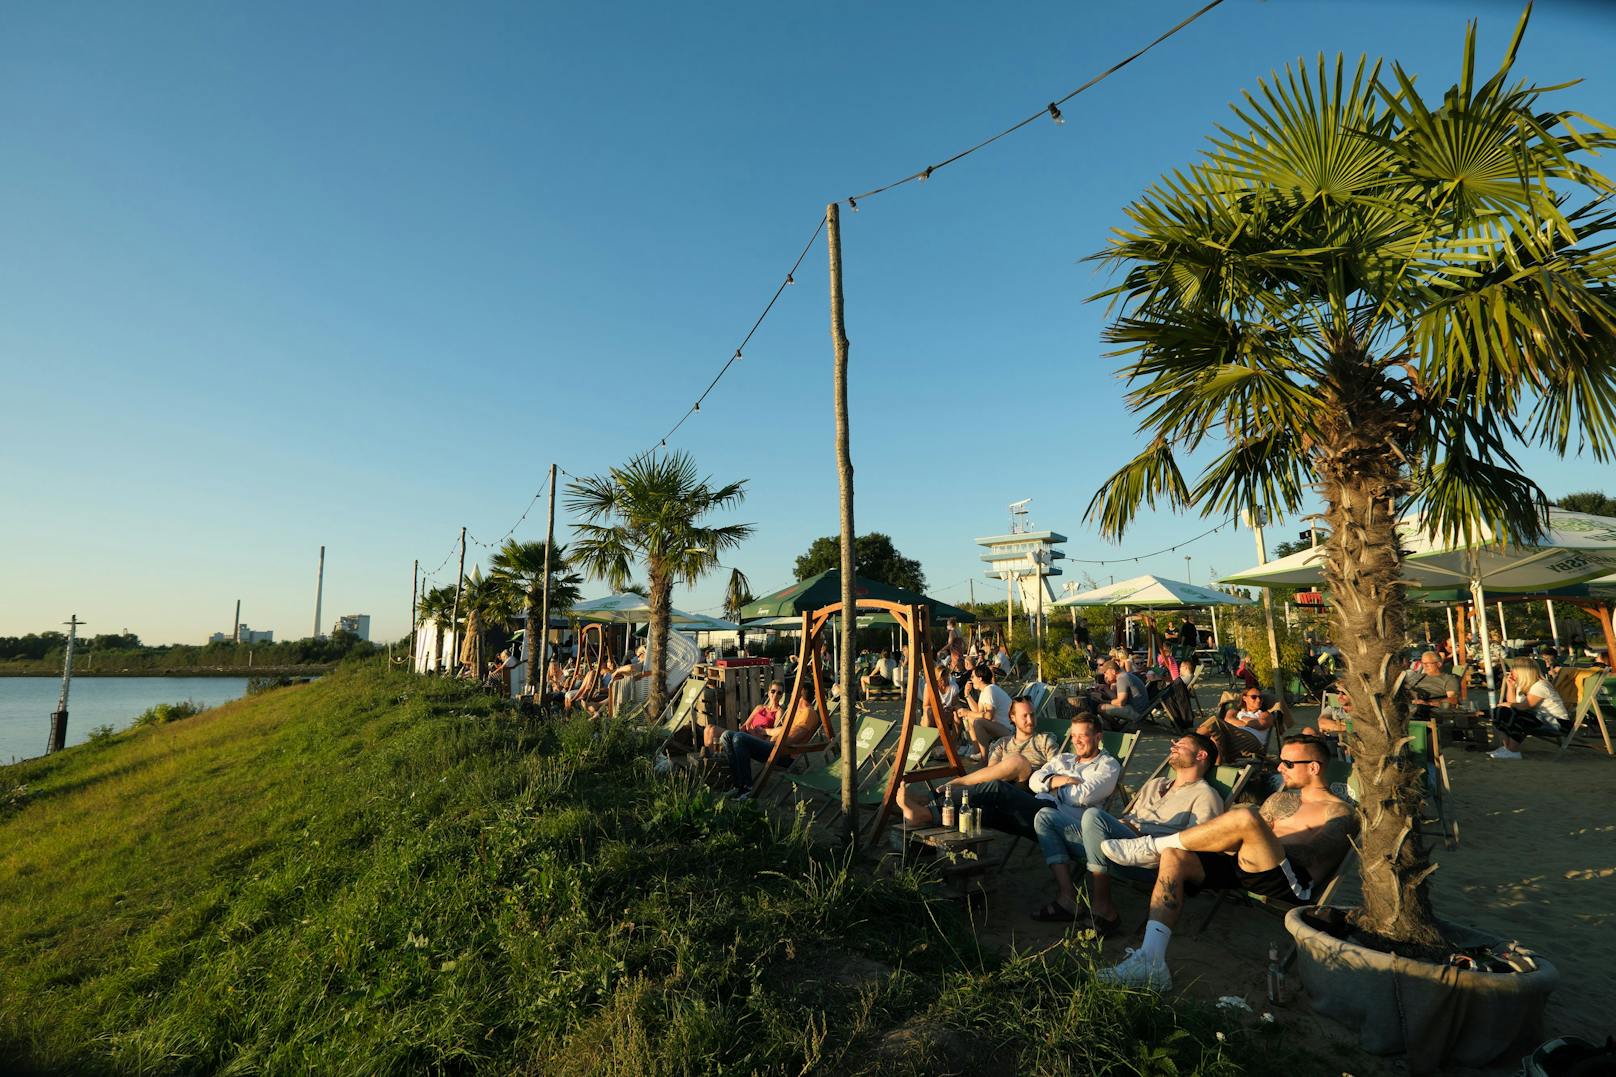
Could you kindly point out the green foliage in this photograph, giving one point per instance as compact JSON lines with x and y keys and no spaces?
{"x":101,"y":733}
{"x":383,"y":873}
{"x":1593,"y":502}
{"x":163,"y":713}
{"x":874,"y":558}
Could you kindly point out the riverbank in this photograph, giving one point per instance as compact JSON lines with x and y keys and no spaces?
{"x":37,"y":669}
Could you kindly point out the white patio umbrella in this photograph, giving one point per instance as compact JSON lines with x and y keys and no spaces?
{"x":1153,"y":592}
{"x":1575,"y":547}
{"x":633,"y":609}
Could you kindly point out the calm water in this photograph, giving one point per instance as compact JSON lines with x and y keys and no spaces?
{"x":26,"y":704}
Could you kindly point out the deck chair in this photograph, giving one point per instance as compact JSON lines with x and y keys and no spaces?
{"x":1588,"y":703}
{"x":1174,"y":704}
{"x":1039,"y":695}
{"x":825,"y":778}
{"x":921,"y":742}
{"x":1424,"y":750}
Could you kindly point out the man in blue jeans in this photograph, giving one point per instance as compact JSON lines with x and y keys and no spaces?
{"x":1165,"y":805}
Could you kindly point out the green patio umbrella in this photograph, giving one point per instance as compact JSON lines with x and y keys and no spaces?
{"x":826,"y":588}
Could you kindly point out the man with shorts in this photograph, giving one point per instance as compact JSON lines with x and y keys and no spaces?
{"x":1299,"y":837}
{"x":989,"y":718}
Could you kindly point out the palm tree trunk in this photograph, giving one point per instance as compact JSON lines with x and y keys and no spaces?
{"x":530,"y":646}
{"x":661,"y":601}
{"x":1361,"y":485}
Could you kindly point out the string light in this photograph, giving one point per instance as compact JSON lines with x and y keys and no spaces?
{"x":852,"y":204}
{"x":697,"y":407}
{"x":926,"y":175}
{"x":1055,"y":114}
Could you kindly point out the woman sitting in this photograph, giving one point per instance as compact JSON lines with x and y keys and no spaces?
{"x":764,"y":717}
{"x":1242,"y":728}
{"x":1532,"y":708}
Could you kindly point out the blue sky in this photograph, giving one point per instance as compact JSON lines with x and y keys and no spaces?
{"x":284,"y":275}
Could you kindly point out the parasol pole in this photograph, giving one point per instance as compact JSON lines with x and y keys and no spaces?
{"x":1480,"y":601}
{"x":1554,"y":629}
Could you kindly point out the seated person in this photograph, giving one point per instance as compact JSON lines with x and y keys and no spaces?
{"x":884,"y":675}
{"x":1129,"y":702}
{"x":1430,"y":688}
{"x":764,"y":717}
{"x":1246,"y":674}
{"x":985,"y":717}
{"x":1165,"y":805}
{"x":1011,"y":759}
{"x":1001,"y":661}
{"x":1531,"y":708}
{"x":1079,"y":779}
{"x":1242,"y":729}
{"x":1298,"y":837}
{"x":745,"y":748}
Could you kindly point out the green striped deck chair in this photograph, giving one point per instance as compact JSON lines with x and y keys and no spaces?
{"x":825,"y":778}
{"x":874,"y":789}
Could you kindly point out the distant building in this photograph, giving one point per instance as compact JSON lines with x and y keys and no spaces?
{"x":357,"y":623}
{"x":247,"y":636}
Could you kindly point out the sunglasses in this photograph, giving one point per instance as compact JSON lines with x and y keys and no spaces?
{"x":1289,"y":763}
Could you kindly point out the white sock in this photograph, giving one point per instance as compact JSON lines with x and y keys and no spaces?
{"x":1169,"y":841}
{"x":1157,"y":935}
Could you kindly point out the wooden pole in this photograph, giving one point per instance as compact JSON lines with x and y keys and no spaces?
{"x":537,"y":682}
{"x":454,"y":612}
{"x":415,"y":601}
{"x":1554,"y":628}
{"x":58,"y":729}
{"x":1268,"y":618}
{"x":844,"y":472}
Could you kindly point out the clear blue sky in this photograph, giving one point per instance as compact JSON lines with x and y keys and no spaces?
{"x":283,"y":275}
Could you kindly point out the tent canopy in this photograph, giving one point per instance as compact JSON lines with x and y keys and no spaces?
{"x":1153,"y":592}
{"x":1574,"y":548}
{"x":633,"y":609}
{"x":826,"y":588}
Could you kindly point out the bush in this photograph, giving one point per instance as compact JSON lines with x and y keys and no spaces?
{"x":163,"y":713}
{"x":100,"y":734}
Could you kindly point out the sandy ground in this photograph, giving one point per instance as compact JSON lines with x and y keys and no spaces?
{"x":1536,"y":861}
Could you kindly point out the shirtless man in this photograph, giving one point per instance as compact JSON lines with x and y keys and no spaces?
{"x":1300,"y":835}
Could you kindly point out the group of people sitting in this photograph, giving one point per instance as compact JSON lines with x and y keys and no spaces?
{"x":1177,"y":836}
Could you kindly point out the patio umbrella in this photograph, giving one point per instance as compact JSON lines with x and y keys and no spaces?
{"x":1153,"y":592}
{"x":826,"y":588}
{"x":631,"y":609}
{"x":1575,"y":547}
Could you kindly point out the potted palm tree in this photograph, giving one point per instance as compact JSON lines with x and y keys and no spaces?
{"x":650,"y":510}
{"x":1376,"y":295}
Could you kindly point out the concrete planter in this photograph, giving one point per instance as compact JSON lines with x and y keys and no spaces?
{"x":1435,"y":1014}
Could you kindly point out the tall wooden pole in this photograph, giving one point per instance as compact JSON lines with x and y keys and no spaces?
{"x":58,"y":729}
{"x":415,"y":602}
{"x":454,"y":613}
{"x":538,"y":680}
{"x":844,"y":471}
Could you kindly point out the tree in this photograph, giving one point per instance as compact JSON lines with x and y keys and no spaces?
{"x":737,"y":593}
{"x":519,"y":567}
{"x":1377,"y":295}
{"x":1592,"y":502}
{"x":874,"y":558}
{"x":437,"y":606}
{"x":649,"y":511}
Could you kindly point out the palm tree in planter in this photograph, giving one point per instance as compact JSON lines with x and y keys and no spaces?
{"x":519,"y":566}
{"x":650,"y":510}
{"x":1376,"y":295}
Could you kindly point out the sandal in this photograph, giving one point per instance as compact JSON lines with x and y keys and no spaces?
{"x":1054,"y":914}
{"x":1104,"y":927}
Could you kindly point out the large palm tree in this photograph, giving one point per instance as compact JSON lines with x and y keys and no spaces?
{"x":1377,"y":296}
{"x":650,"y":510}
{"x":519,"y":566}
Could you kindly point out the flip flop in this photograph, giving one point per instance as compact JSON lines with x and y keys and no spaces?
{"x":1054,"y":914}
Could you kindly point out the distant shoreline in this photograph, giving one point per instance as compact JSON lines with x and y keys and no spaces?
{"x":198,"y":671}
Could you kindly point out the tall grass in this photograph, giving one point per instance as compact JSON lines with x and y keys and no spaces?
{"x":379,"y":873}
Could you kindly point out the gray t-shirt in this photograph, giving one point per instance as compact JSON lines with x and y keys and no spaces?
{"x":1431,"y":687}
{"x":1163,"y":808}
{"x":1131,"y":690}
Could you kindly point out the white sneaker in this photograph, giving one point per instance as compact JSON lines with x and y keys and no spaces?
{"x":1137,"y":852}
{"x":1137,"y":970}
{"x":1503,"y":753}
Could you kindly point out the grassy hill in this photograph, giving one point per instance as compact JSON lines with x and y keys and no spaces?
{"x":380,"y":873}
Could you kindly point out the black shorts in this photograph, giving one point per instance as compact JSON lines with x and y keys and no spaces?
{"x":1287,"y":882}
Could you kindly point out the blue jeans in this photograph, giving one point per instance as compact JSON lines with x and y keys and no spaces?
{"x":744,"y":749}
{"x":1060,"y":835}
{"x":1006,"y":806}
{"x":1097,"y":827}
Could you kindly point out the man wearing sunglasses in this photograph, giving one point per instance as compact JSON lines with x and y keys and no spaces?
{"x":1300,"y":835}
{"x":1243,"y":728}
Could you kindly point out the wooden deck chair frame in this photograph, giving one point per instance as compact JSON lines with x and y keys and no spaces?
{"x":586,"y":673}
{"x":922,"y":699}
{"x":1588,"y":703}
{"x":869,"y":743}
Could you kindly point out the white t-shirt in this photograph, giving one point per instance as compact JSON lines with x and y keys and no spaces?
{"x":1551,"y":709}
{"x":999,"y":698}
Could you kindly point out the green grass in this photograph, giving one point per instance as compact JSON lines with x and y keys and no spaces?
{"x":379,"y":873}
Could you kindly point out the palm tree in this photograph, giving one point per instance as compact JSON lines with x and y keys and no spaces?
{"x":519,"y":566}
{"x":737,"y":593}
{"x":650,"y":510}
{"x":1376,"y":295}
{"x":437,"y":606}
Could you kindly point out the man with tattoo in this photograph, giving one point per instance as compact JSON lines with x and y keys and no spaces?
{"x":1300,"y":835}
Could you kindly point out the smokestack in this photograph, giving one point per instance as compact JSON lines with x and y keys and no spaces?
{"x":235,"y":632}
{"x":319,"y":593}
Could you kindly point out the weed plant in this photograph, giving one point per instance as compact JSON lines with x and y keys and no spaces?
{"x":381,"y":873}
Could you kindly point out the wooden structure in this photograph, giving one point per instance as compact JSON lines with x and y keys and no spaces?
{"x":586,"y":663}
{"x":922,"y":701}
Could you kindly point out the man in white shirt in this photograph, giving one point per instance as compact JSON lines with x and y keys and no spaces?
{"x":884,"y":675}
{"x":989,"y":718}
{"x":1163,"y":806}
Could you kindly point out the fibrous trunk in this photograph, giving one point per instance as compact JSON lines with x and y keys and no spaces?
{"x":661,"y":596}
{"x":1361,"y":481}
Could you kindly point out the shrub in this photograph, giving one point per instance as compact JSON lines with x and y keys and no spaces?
{"x":100,"y":734}
{"x":163,"y":713}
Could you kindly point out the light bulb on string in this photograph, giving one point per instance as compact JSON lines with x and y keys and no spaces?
{"x":1055,"y":113}
{"x":790,"y":279}
{"x":737,"y":355}
{"x":697,"y":407}
{"x":852,"y":204}
{"x":926,"y":175}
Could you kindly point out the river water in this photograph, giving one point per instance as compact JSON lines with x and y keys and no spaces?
{"x":26,"y":704}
